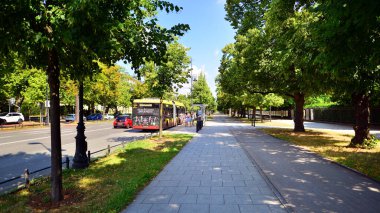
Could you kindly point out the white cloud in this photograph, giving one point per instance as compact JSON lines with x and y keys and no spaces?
{"x":195,"y":73}
{"x":216,"y":53}
{"x":221,"y":2}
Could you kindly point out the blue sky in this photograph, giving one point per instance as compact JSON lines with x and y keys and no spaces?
{"x":209,"y":33}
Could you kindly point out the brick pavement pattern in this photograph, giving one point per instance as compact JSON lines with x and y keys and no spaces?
{"x":211,"y":174}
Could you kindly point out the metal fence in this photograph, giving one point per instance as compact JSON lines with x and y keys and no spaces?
{"x":27,"y":174}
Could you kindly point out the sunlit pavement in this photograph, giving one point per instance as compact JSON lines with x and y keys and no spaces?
{"x":230,"y":166}
{"x":211,"y":174}
{"x":331,"y":127}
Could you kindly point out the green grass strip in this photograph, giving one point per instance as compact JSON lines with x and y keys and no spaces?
{"x":108,"y":185}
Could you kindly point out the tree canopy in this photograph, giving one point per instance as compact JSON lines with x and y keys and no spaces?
{"x":68,"y":37}
{"x":304,"y":49}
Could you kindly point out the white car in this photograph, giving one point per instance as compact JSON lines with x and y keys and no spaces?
{"x":12,"y":117}
{"x":108,"y":117}
{"x":71,"y":118}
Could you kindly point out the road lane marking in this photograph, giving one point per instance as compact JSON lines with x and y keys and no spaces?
{"x":33,"y":139}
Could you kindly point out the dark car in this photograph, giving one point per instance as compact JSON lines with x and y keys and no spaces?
{"x":96,"y":116}
{"x":123,"y":121}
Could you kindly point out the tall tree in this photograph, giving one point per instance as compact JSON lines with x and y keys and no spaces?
{"x":168,"y":76}
{"x":348,"y":34}
{"x":56,"y":36}
{"x":201,"y":92}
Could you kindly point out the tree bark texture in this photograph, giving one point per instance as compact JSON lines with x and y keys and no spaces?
{"x":362,"y":113}
{"x":299,"y":99}
{"x":55,"y":128}
{"x":254,"y":112}
{"x":80,"y":160}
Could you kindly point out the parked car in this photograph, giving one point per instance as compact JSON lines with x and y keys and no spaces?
{"x":108,"y":117}
{"x":71,"y":118}
{"x":12,"y":117}
{"x":123,"y":121}
{"x":96,"y":116}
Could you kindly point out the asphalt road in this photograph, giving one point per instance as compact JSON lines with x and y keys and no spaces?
{"x":30,"y":148}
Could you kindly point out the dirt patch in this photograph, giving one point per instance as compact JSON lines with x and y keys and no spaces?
{"x":42,"y":201}
{"x":161,"y":142}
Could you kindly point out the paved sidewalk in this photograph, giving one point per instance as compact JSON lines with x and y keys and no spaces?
{"x":308,"y":182}
{"x":211,"y":174}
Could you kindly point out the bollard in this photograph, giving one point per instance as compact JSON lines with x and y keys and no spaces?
{"x":67,"y":163}
{"x":151,"y":134}
{"x":26,"y":176}
{"x":122,"y":144}
{"x":89,"y":156}
{"x":108,"y":150}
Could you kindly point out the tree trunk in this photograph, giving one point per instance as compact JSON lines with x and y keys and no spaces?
{"x":80,"y":160}
{"x":254,"y":112}
{"x":55,"y":128}
{"x":160,"y":117}
{"x":362,"y":113}
{"x":299,"y":99}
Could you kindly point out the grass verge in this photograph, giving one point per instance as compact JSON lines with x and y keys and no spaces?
{"x":108,"y":185}
{"x":333,"y":146}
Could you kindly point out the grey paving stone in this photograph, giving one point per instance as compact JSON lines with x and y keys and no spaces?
{"x":167,"y":208}
{"x":183,"y":198}
{"x":212,"y":172}
{"x":194,"y":208}
{"x":222,"y":190}
{"x":234,"y":183}
{"x":277,"y":209}
{"x":237,"y":199}
{"x":157,"y":198}
{"x":254,"y":208}
{"x":193,"y":172}
{"x":265,"y":199}
{"x":138,"y":208}
{"x":198,"y":190}
{"x":152,"y":190}
{"x":189,"y":183}
{"x":265,"y":190}
{"x":231,"y":172}
{"x":222,"y":177}
{"x":247,"y":190}
{"x":210,"y":199}
{"x":164,"y":177}
{"x":241,"y":177}
{"x":174,"y":190}
{"x":255,"y":182}
{"x":201,"y":177}
{"x":224,"y":209}
{"x":211,"y":183}
{"x":180,"y":177}
{"x":168,"y":183}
